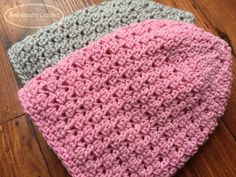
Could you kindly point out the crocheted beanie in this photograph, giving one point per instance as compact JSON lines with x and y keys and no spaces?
{"x":138,"y":102}
{"x":43,"y":49}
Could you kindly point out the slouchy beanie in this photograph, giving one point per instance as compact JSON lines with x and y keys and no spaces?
{"x":137,"y":102}
{"x":43,"y":49}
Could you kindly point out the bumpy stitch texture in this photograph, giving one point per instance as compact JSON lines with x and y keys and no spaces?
{"x":43,"y":49}
{"x":138,"y":102}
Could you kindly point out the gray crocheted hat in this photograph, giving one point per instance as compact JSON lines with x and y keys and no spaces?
{"x":44,"y":48}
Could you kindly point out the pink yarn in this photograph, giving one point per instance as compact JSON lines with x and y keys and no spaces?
{"x":138,"y":102}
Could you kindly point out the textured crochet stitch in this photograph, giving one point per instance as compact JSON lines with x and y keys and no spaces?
{"x":138,"y":102}
{"x":43,"y":49}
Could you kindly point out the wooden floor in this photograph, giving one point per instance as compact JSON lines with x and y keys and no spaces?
{"x":24,"y":153}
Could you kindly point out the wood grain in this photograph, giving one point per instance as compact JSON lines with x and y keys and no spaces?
{"x":20,"y":155}
{"x":22,"y":147}
{"x":54,"y":164}
{"x":216,"y":158}
{"x":9,"y":104}
{"x":221,"y":15}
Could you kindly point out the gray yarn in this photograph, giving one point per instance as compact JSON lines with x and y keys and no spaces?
{"x":47,"y":46}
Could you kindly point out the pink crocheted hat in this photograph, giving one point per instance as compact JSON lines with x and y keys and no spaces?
{"x":138,"y":102}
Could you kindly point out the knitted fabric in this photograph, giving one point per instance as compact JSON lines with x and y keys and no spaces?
{"x":43,"y":49}
{"x":138,"y":102}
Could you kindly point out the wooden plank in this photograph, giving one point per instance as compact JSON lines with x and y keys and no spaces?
{"x":216,"y":158}
{"x":20,"y":155}
{"x":69,"y":7}
{"x":11,"y":35}
{"x":9,"y":104}
{"x":221,"y":15}
{"x":54,"y":164}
